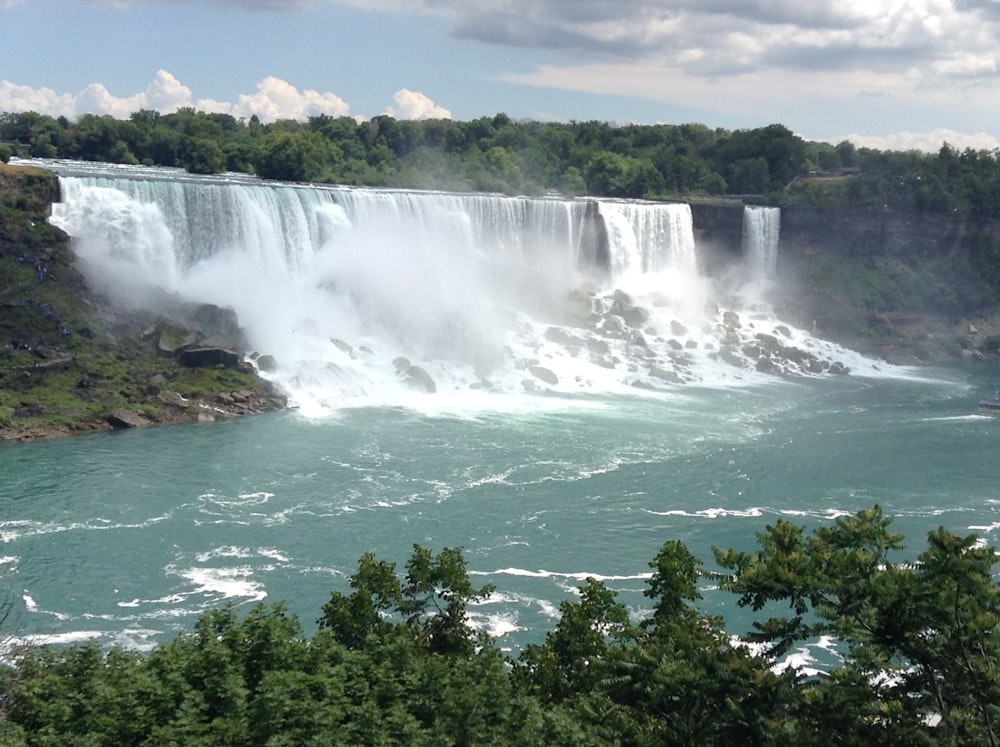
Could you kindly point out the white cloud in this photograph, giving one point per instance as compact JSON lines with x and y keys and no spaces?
{"x":165,"y":93}
{"x":929,"y":142}
{"x":938,"y":39}
{"x":279,"y":99}
{"x":277,"y":5}
{"x":274,"y":99}
{"x":18,"y":98}
{"x":415,"y":105}
{"x":98,"y":99}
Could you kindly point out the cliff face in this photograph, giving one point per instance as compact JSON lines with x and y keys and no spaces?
{"x":883,"y":233}
{"x":852,"y":234}
{"x":718,"y":233}
{"x":907,"y":286}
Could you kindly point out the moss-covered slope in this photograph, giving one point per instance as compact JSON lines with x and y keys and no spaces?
{"x":68,"y":362}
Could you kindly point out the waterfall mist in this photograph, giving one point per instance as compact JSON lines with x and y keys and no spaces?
{"x":483,"y":293}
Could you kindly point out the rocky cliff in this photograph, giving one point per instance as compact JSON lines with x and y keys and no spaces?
{"x":911,"y":287}
{"x":70,"y":363}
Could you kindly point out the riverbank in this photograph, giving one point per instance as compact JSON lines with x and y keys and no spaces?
{"x":70,"y":363}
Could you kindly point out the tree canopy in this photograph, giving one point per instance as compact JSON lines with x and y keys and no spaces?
{"x":498,"y":154}
{"x":394,"y":660}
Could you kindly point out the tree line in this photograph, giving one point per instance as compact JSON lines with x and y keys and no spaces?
{"x":394,"y":661}
{"x":498,"y":154}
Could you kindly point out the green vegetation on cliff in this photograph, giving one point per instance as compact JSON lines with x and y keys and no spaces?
{"x":393,"y":662}
{"x":68,"y":362}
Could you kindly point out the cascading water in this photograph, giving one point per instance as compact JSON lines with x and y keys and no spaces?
{"x":761,"y":233}
{"x":483,"y":293}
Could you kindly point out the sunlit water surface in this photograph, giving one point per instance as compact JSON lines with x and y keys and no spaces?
{"x":129,"y":536}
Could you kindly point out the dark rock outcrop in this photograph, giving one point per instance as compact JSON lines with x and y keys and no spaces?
{"x":204,"y":357}
{"x":122,"y":419}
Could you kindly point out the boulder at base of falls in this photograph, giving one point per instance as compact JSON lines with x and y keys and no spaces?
{"x":341,"y":345}
{"x":125,"y":419}
{"x":623,"y":306}
{"x":267,"y":363}
{"x":664,"y":375}
{"x":544,"y":374}
{"x":419,"y":379}
{"x":206,"y":357}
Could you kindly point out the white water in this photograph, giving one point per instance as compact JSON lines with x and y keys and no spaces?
{"x":761,"y":233}
{"x":478,"y":290}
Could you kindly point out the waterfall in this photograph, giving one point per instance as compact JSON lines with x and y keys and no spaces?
{"x":486,"y":294}
{"x":761,"y":232}
{"x":648,"y":238}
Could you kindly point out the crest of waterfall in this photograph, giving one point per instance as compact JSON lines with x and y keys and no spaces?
{"x":648,"y":238}
{"x":351,"y":290}
{"x":761,"y":233}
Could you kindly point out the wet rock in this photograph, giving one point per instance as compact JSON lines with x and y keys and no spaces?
{"x":597,"y":346}
{"x":561,"y":336}
{"x":125,"y":419}
{"x":767,"y":365}
{"x":579,"y":307}
{"x":623,"y":306}
{"x":731,"y":319}
{"x":341,"y":345}
{"x":664,"y":375}
{"x":267,"y":363}
{"x":419,"y":379}
{"x":401,"y":364}
{"x":206,"y":357}
{"x":768,"y":342}
{"x":677,"y":329}
{"x":613,"y":326}
{"x":220,"y":323}
{"x":544,"y":374}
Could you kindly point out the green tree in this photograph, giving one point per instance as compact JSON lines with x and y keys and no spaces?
{"x":202,"y":156}
{"x":921,"y":639}
{"x":299,"y":156}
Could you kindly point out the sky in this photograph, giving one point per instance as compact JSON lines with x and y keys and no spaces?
{"x":888,"y":74}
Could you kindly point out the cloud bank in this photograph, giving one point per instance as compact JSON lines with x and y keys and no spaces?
{"x":857,"y":66}
{"x":274,"y":99}
{"x":894,"y":58}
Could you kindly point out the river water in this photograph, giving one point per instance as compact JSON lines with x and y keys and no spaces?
{"x":565,"y":439}
{"x":130,"y":535}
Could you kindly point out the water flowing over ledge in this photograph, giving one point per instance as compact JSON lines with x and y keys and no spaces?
{"x":356,"y":296}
